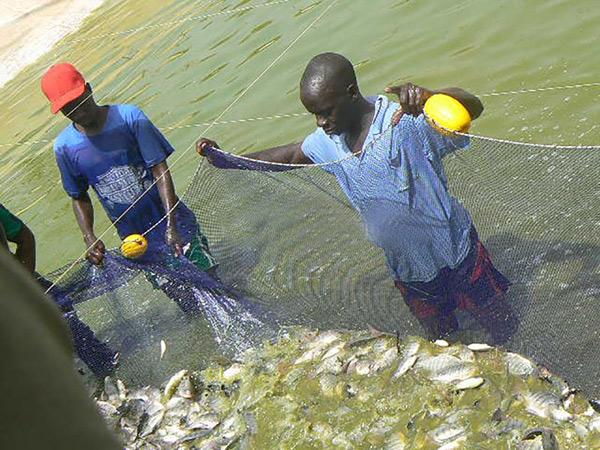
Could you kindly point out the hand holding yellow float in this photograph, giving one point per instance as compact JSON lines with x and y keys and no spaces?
{"x":446,"y":114}
{"x":134,"y":246}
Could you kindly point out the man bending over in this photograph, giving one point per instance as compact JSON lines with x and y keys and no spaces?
{"x":399,"y":187}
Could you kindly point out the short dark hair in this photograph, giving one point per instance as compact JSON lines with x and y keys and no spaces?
{"x":328,"y":68}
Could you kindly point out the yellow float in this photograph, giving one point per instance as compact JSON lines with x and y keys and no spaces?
{"x":447,"y":114}
{"x":134,"y":246}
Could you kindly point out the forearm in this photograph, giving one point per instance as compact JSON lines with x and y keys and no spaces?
{"x":166,"y":190}
{"x":84,"y":213}
{"x":284,"y":154}
{"x":468,"y":100}
{"x":26,"y":249}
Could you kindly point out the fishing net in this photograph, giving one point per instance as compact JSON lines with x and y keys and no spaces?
{"x":293,"y":249}
{"x":154,"y":316}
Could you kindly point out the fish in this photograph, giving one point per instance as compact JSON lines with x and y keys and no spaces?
{"x":318,"y":346}
{"x":199,"y":435}
{"x":233,"y":372}
{"x":345,"y":378}
{"x":479,"y":347}
{"x":121,"y":389}
{"x":204,"y":421}
{"x":548,"y":439}
{"x":531,"y":444}
{"x":328,"y":383}
{"x":385,"y":359}
{"x":546,"y":404}
{"x":456,"y":444}
{"x":397,"y":441}
{"x":446,"y":368}
{"x":186,"y":388}
{"x":581,"y":427}
{"x":462,"y":353}
{"x":251,"y":422}
{"x":131,"y":411}
{"x":333,"y":365}
{"x":361,"y":344}
{"x":309,"y":355}
{"x":108,"y":412}
{"x":231,"y":428}
{"x":447,"y":432}
{"x":111,"y":390}
{"x":151,"y":419}
{"x":324,"y":339}
{"x":594,"y":424}
{"x":363,"y":367}
{"x":341,"y":441}
{"x":519,"y":365}
{"x":469,"y":383}
{"x":333,"y":350}
{"x":173,"y":383}
{"x":441,"y":343}
{"x":163,"y":348}
{"x":405,"y":366}
{"x":410,"y":349}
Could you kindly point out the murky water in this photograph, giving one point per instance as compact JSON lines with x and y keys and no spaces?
{"x":189,"y":62}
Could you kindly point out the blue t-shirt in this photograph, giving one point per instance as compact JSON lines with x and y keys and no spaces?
{"x":117,"y":164}
{"x":399,"y":187}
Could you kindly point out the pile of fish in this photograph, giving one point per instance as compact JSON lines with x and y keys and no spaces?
{"x":346,"y":390}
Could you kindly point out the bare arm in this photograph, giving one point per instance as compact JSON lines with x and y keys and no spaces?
{"x":166,"y":190}
{"x":25,"y":252}
{"x":412,"y":99}
{"x":468,"y":100}
{"x":284,"y":154}
{"x":84,"y":213}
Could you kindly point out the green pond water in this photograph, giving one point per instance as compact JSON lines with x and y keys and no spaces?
{"x":186,"y":63}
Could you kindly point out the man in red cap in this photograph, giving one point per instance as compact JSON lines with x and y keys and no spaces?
{"x":117,"y":150}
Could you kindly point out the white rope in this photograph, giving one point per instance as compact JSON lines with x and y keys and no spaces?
{"x":191,"y":125}
{"x":550,"y":88}
{"x":529,"y":144}
{"x":302,"y":114}
{"x":175,"y":22}
{"x":188,"y":148}
{"x":120,"y":83}
{"x":236,"y":100}
{"x":234,"y":121}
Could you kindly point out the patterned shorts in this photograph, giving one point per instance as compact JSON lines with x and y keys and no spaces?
{"x":473,"y":285}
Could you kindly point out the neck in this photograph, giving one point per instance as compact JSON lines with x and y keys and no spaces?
{"x":98,"y":120}
{"x":364,"y":117}
{"x":355,"y":138}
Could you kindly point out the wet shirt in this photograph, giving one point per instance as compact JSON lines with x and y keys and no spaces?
{"x":117,"y":164}
{"x":12,"y":225}
{"x":399,"y":187}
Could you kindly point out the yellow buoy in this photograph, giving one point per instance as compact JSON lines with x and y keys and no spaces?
{"x":134,"y":246}
{"x":447,"y":114}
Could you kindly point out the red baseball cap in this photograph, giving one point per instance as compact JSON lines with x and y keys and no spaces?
{"x":62,"y":83}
